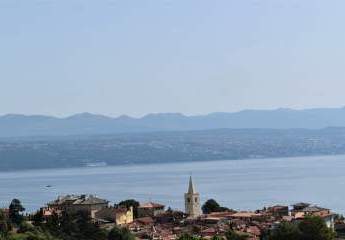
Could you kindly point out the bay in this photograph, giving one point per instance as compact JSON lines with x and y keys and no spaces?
{"x":238,"y":184}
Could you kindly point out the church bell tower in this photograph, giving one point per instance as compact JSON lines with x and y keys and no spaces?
{"x":192,"y":201}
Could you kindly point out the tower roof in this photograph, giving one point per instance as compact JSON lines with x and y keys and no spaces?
{"x":191,"y":188}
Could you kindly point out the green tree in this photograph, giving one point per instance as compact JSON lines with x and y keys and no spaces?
{"x":5,"y":225}
{"x":314,"y":228}
{"x":310,"y":228}
{"x":80,"y":226}
{"x":212,"y":206}
{"x":38,"y":218}
{"x":232,"y":235}
{"x":120,"y":234}
{"x":53,"y":224}
{"x":74,"y":227}
{"x":26,"y":227}
{"x":216,"y":237}
{"x":285,"y":231}
{"x":15,"y":211}
{"x":186,"y":236}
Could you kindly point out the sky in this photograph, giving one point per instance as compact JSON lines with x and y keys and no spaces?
{"x":114,"y":57}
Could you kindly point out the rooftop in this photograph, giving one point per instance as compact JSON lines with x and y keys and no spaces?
{"x":78,"y":200}
{"x":246,"y":214}
{"x":151,"y":205}
{"x":314,"y":209}
{"x":301,"y":204}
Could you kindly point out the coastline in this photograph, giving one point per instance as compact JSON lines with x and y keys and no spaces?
{"x":149,"y":163}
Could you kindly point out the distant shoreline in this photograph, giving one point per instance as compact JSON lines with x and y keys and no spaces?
{"x":2,"y":171}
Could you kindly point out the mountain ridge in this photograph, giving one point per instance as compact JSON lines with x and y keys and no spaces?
{"x":18,"y":125}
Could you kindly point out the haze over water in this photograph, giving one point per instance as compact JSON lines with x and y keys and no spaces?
{"x":242,"y":184}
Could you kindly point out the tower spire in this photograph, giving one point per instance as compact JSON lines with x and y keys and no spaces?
{"x":191,"y":188}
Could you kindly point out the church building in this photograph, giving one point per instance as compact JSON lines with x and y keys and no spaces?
{"x":192,"y":201}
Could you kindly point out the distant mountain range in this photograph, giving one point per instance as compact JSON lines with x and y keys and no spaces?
{"x":15,"y":125}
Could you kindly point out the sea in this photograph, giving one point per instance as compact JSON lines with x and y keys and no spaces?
{"x":238,"y":184}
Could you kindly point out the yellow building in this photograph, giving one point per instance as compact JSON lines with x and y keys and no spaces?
{"x":120,"y":216}
{"x":124,"y":216}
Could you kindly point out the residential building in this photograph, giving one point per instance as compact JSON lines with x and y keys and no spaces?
{"x":78,"y":203}
{"x":300,"y":206}
{"x":324,"y":213}
{"x":278,"y":210}
{"x":150,"y":209}
{"x":120,"y":216}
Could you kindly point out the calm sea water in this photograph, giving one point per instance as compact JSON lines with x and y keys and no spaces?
{"x":242,"y":184}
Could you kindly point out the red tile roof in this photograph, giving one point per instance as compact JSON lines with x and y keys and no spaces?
{"x":246,"y":214}
{"x":151,"y":205}
{"x":145,"y":220}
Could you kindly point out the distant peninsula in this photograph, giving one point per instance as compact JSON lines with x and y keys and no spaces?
{"x":167,"y":146}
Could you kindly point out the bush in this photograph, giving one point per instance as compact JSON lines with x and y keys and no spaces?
{"x":232,"y":235}
{"x":188,"y":237}
{"x":310,"y":228}
{"x":285,"y":231}
{"x":15,"y":212}
{"x":120,"y":234}
{"x":212,"y":206}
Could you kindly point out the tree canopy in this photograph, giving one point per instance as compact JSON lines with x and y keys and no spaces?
{"x":314,"y":228}
{"x":310,"y":228}
{"x":15,"y":211}
{"x":5,"y":225}
{"x":120,"y":234}
{"x":188,"y":237}
{"x":212,"y":206}
{"x":285,"y":231}
{"x":232,"y":235}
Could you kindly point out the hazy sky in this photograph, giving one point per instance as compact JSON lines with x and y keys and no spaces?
{"x":60,"y":57}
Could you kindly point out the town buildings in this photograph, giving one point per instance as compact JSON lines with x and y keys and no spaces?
{"x":156,"y":223}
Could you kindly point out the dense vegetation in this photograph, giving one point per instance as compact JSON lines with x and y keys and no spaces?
{"x":311,"y":228}
{"x":15,"y":226}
